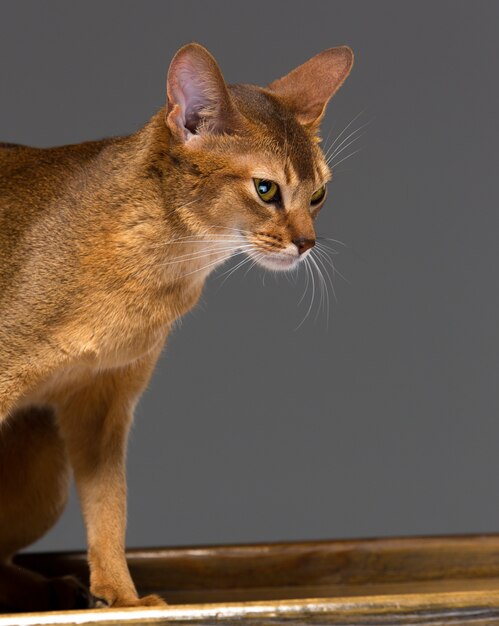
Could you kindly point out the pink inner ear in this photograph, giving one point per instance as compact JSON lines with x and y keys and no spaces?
{"x":192,"y":92}
{"x":198,"y":100}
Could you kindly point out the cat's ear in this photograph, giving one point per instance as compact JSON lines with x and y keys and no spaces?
{"x":198,"y":98}
{"x":308,"y":88}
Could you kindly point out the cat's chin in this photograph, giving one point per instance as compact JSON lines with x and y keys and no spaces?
{"x":278,"y":262}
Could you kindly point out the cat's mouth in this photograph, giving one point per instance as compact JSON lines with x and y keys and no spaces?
{"x":280,"y":261}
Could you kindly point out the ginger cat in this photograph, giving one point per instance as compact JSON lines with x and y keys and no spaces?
{"x":103,"y":245}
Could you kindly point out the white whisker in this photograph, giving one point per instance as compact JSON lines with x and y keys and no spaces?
{"x":335,"y":269}
{"x":345,"y":129}
{"x":202,"y":239}
{"x":337,"y":152}
{"x":320,"y":256}
{"x":231,"y":270}
{"x":237,"y":230}
{"x":306,"y":285}
{"x":306,"y":261}
{"x":326,"y":145}
{"x":199,"y":269}
{"x":203,"y":253}
{"x":322,"y":285}
{"x":345,"y":158}
{"x":255,"y":261}
{"x":325,"y":248}
{"x":341,"y":243}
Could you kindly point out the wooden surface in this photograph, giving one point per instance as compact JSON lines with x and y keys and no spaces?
{"x":446,"y":580}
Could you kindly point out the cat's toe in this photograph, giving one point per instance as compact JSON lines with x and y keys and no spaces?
{"x":99,"y":603}
{"x":127,"y":602}
{"x":152,"y":600}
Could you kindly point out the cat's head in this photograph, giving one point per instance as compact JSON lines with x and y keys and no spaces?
{"x":249,"y":164}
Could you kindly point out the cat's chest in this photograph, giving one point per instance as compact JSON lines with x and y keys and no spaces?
{"x":111,"y":333}
{"x":89,"y":354}
{"x":119,"y":320}
{"x":126,"y":326}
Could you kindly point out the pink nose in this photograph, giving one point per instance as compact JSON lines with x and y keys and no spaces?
{"x":303,"y":244}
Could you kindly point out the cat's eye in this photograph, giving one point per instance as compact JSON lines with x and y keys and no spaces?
{"x":318,"y":196}
{"x":267,"y":190}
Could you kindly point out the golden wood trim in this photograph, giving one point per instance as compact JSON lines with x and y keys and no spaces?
{"x":467,"y":605}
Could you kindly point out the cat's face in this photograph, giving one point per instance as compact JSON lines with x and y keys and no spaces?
{"x":250,"y":157}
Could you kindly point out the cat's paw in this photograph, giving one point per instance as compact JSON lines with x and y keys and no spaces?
{"x":127,"y":602}
{"x":151,"y":600}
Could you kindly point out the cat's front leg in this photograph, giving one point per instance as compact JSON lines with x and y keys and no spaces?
{"x":94,"y":422}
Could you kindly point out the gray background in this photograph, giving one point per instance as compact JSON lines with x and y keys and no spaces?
{"x":383,"y":421}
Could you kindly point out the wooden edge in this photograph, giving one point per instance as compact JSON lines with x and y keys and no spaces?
{"x":474,"y":604}
{"x":416,"y":542}
{"x":294,"y":564}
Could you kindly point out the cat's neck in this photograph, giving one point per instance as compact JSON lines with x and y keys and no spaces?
{"x":158,"y":239}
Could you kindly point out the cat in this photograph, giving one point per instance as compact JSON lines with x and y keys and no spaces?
{"x":103,"y":246}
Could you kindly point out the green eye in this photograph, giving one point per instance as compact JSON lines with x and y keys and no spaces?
{"x":267,"y":190}
{"x":318,"y":195}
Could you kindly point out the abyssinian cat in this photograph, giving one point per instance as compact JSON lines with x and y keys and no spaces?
{"x":103,"y":245}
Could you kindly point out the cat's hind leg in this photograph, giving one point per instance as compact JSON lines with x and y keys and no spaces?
{"x":22,"y":590}
{"x":34,"y":478}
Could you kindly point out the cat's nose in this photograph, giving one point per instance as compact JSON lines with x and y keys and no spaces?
{"x":303,"y":244}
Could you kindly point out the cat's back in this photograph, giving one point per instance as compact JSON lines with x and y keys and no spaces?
{"x":38,"y":172}
{"x":35,"y":180}
{"x":14,"y":156}
{"x":34,"y":186}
